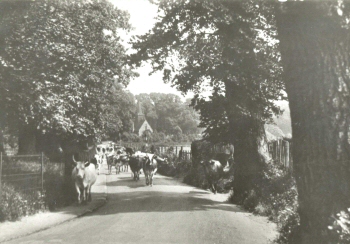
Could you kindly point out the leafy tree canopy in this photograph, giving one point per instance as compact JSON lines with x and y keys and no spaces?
{"x":59,"y":63}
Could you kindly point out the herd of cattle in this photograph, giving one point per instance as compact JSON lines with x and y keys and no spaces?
{"x":84,"y":174}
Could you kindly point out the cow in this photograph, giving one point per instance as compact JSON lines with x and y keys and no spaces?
{"x":102,"y":152}
{"x":214,"y":171}
{"x":136,"y":164}
{"x":124,"y":159}
{"x":83,"y":176}
{"x":97,"y":161}
{"x":129,"y":151}
{"x":111,"y":159}
{"x":150,"y":167}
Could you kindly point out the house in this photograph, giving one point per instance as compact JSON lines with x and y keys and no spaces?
{"x":141,"y":125}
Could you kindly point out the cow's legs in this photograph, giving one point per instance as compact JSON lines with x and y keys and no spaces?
{"x":89,"y":194}
{"x":211,"y":186}
{"x":151,"y":178}
{"x":78,"y":191}
{"x":214,"y":188}
{"x":147,"y":180}
{"x":84,"y":195}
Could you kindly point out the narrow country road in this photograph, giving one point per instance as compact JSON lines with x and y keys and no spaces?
{"x":168,"y":212}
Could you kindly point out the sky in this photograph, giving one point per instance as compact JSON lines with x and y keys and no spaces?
{"x":142,"y":18}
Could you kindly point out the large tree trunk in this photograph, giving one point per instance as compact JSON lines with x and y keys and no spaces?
{"x":27,"y":140}
{"x":250,"y":145}
{"x":315,"y":52}
{"x":250,"y":155}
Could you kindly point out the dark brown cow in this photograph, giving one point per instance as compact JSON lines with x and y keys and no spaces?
{"x":214,"y":171}
{"x":136,"y":164}
{"x":83,"y":176}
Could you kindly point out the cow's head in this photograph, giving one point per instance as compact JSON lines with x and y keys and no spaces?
{"x":146,"y":160}
{"x":208,"y":165}
{"x":110,"y":150}
{"x":80,"y":166}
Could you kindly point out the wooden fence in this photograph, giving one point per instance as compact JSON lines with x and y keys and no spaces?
{"x":281,"y":152}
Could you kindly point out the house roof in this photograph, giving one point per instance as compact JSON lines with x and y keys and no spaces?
{"x":138,"y":125}
{"x":273,"y":132}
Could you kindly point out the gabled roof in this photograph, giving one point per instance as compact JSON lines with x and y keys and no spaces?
{"x":138,"y":125}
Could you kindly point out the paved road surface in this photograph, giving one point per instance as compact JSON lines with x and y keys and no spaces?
{"x":168,"y":212}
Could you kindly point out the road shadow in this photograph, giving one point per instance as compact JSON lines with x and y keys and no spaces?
{"x":130,"y":183}
{"x":160,"y":201}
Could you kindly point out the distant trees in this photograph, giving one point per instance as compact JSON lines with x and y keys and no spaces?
{"x":60,"y":63}
{"x":166,"y":112}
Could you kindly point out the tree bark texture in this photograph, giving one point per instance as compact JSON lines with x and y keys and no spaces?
{"x":315,"y":56}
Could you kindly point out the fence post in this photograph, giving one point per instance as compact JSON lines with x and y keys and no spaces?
{"x":287,"y":155}
{"x":0,"y":176}
{"x":42,"y":173}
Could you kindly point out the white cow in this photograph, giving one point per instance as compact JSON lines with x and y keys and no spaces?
{"x":84,"y":176}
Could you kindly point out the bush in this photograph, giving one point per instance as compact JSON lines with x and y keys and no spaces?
{"x":340,"y":228}
{"x":174,"y":166}
{"x":279,"y":196}
{"x":16,"y":204}
{"x":276,"y":196}
{"x":196,"y":177}
{"x":58,"y":193}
